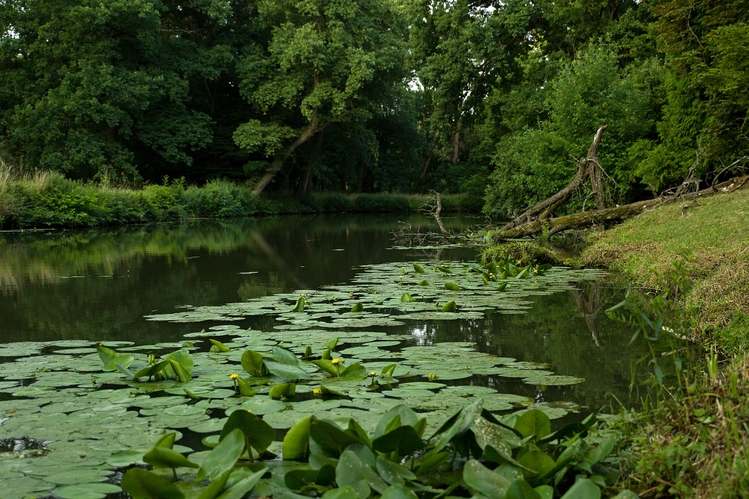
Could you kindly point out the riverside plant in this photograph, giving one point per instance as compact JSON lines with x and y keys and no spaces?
{"x":471,"y":452}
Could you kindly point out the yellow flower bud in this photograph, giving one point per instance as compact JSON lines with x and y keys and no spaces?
{"x":234,"y":376}
{"x":317,"y":391}
{"x":336,"y":361}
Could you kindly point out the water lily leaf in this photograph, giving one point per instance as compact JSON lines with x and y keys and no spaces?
{"x":182,"y":375}
{"x":218,"y":346}
{"x":151,"y":371}
{"x":222,"y":457}
{"x":253,"y":364}
{"x":450,"y":285}
{"x":481,"y":479}
{"x":162,"y":457}
{"x":299,"y":307}
{"x":405,"y":416}
{"x":282,"y":390}
{"x":354,"y":372}
{"x":450,"y":306}
{"x":213,"y":489}
{"x":258,"y":434}
{"x":142,"y":484}
{"x":285,"y":371}
{"x":296,"y":441}
{"x":359,"y":307}
{"x":87,"y":491}
{"x":126,"y":458}
{"x":284,"y":356}
{"x":261,"y":405}
{"x":418,"y":268}
{"x":167,"y":441}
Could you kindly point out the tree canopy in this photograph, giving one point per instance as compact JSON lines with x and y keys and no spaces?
{"x":497,"y":99}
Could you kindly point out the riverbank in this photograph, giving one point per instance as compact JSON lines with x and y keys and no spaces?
{"x":47,"y":199}
{"x":693,"y":442}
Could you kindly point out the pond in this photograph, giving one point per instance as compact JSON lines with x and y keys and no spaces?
{"x":258,"y":285}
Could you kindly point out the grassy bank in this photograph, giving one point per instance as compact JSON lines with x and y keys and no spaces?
{"x":694,"y":441}
{"x":47,"y":199}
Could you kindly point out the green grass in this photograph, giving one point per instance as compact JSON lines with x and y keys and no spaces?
{"x":706,"y":243}
{"x":695,"y":442}
{"x":47,"y":199}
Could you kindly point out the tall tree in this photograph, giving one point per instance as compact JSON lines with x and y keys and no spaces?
{"x":326,"y":61}
{"x":93,"y":88}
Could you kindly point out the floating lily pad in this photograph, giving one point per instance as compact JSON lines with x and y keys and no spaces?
{"x":87,"y":491}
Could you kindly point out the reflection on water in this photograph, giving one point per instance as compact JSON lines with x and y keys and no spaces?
{"x":98,"y":285}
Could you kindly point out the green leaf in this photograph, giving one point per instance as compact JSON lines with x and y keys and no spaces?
{"x":285,"y":371}
{"x":483,"y":480}
{"x":418,"y":268}
{"x":213,"y":489}
{"x":423,"y":282}
{"x":601,"y":450}
{"x":331,"y":344}
{"x":520,"y":489}
{"x":388,"y":370}
{"x":452,"y":286}
{"x":284,"y":356}
{"x":359,"y":307}
{"x":407,"y":298}
{"x":282,"y":390}
{"x":539,"y":463}
{"x":354,"y":371}
{"x":223,"y":457}
{"x":253,"y":364}
{"x":547,"y":492}
{"x":296,"y":442}
{"x":142,"y":484}
{"x":450,"y":306}
{"x":167,"y":441}
{"x":403,"y":440}
{"x":583,"y":489}
{"x":243,"y":486}
{"x":327,"y":366}
{"x":533,"y":423}
{"x":393,"y":472}
{"x":340,"y":493}
{"x":354,"y":472}
{"x":502,"y":286}
{"x":218,"y":346}
{"x":431,"y":461}
{"x":161,"y":457}
{"x":182,"y":375}
{"x":407,"y":417}
{"x":299,"y":307}
{"x":245,"y":389}
{"x":398,"y":491}
{"x":86,"y":491}
{"x":257,"y":432}
{"x":330,"y":436}
{"x":151,"y":371}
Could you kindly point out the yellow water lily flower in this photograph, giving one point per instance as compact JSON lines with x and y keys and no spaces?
{"x":336,"y":361}
{"x":234,"y":376}
{"x":317,"y":391}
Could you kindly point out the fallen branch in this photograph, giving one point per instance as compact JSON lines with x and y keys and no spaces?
{"x":608,"y":215}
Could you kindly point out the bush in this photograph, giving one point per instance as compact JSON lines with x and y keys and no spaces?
{"x":381,"y":203}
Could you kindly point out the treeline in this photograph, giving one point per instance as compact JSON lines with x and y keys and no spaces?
{"x":490,"y":98}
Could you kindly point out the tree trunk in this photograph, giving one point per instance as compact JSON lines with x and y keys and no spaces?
{"x":279,"y":161}
{"x":546,"y":208}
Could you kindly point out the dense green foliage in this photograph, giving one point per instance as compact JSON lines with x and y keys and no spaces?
{"x":495,"y":99}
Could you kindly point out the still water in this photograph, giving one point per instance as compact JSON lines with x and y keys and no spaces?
{"x":99,"y":285}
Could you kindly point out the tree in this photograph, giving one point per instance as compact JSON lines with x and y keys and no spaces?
{"x":91,"y":89}
{"x":326,"y":61}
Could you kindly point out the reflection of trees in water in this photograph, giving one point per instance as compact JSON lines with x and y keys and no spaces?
{"x":553,"y":332}
{"x":588,"y":299}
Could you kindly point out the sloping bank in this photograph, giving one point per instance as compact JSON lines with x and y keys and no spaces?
{"x":691,"y":441}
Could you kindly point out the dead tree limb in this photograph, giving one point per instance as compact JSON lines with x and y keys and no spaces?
{"x":590,"y":218}
{"x":587,"y":167}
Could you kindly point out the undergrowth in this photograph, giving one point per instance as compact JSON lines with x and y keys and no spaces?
{"x":48,"y":199}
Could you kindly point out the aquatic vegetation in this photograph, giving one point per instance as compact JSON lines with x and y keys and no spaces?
{"x":107,"y":407}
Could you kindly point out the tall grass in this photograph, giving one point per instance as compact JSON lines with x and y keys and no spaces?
{"x":48,"y":199}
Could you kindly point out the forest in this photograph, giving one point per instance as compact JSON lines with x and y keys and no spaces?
{"x":497,"y":99}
